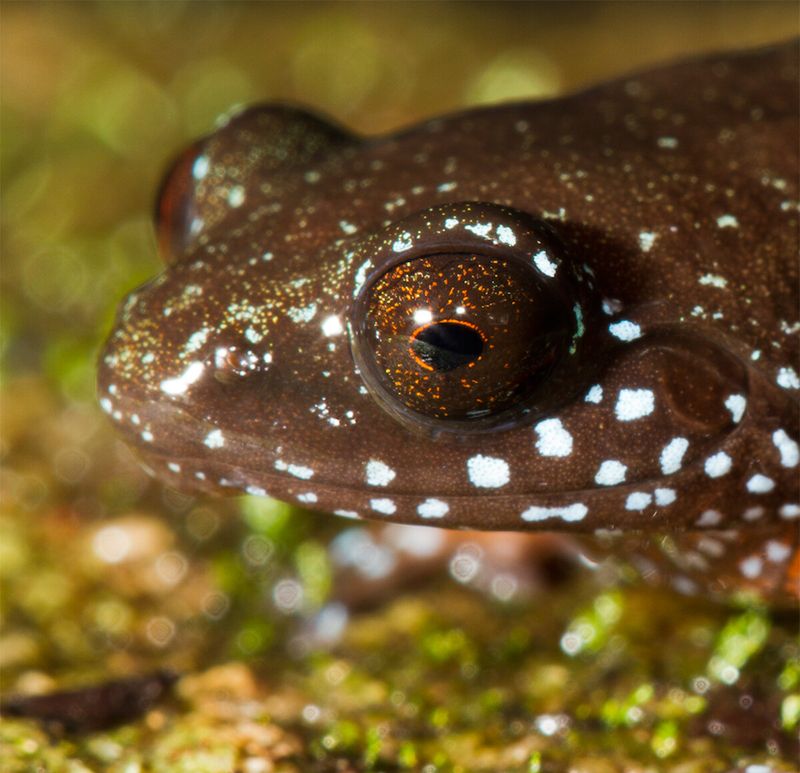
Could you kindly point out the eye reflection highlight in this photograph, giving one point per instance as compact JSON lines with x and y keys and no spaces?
{"x":423,"y":316}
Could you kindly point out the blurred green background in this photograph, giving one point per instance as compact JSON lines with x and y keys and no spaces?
{"x":96,"y":98}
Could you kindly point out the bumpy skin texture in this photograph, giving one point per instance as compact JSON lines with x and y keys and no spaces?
{"x":671,"y":197}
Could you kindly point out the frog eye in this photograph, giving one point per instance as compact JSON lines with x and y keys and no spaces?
{"x":177,"y":220}
{"x":469,"y":339}
{"x":256,"y":149}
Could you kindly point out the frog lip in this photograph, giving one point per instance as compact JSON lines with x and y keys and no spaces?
{"x":560,"y":511}
{"x":193,"y":452}
{"x":675,"y":502}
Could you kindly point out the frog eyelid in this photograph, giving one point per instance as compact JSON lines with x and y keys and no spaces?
{"x":458,"y":228}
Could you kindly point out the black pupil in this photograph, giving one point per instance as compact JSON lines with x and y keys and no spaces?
{"x":445,"y":346}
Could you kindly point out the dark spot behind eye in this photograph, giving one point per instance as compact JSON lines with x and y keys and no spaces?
{"x":697,"y":379}
{"x":446,"y":345}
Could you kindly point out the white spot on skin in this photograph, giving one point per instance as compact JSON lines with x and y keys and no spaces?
{"x":297,"y":470}
{"x":669,"y":143}
{"x":789,"y":511}
{"x":787,"y":378}
{"x":451,"y":223}
{"x":214,"y":439}
{"x":574,"y":512}
{"x":718,"y":465}
{"x":625,"y":330}
{"x":709,"y":518}
{"x":444,"y":187}
{"x":736,"y":405}
{"x":727,"y":221}
{"x":173,"y":467}
{"x":253,"y":336}
{"x":379,"y":474}
{"x":147,"y":436}
{"x":383,"y":506}
{"x":672,"y":455}
{"x":347,"y":228}
{"x":760,"y":484}
{"x":789,"y":451}
{"x":256,"y":491}
{"x":753,"y":513}
{"x":106,"y":405}
{"x":196,"y":340}
{"x":751,"y":567}
{"x":594,"y":395}
{"x":487,"y":471}
{"x":646,"y":240}
{"x":610,"y":473}
{"x":506,"y":236}
{"x":361,"y":276}
{"x":553,"y":440}
{"x":665,"y":496}
{"x":346,"y":513}
{"x":179,"y":385}
{"x":332,"y":326}
{"x":403,"y":243}
{"x":777,"y":552}
{"x":200,"y":167}
{"x":542,"y":261}
{"x":713,"y":280}
{"x":638,"y":500}
{"x":634,"y":404}
{"x":433,"y":508}
{"x":480,"y":229}
{"x":306,"y":314}
{"x":711,"y":547}
{"x":308,"y":498}
{"x":236,"y":196}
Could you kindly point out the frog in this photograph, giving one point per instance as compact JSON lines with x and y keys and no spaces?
{"x":576,"y":315}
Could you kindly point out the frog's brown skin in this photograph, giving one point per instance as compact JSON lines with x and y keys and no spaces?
{"x":671,"y":197}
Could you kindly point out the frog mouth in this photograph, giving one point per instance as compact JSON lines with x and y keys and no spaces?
{"x":738,"y":477}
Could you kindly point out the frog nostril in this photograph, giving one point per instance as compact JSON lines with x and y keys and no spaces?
{"x":233,"y":362}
